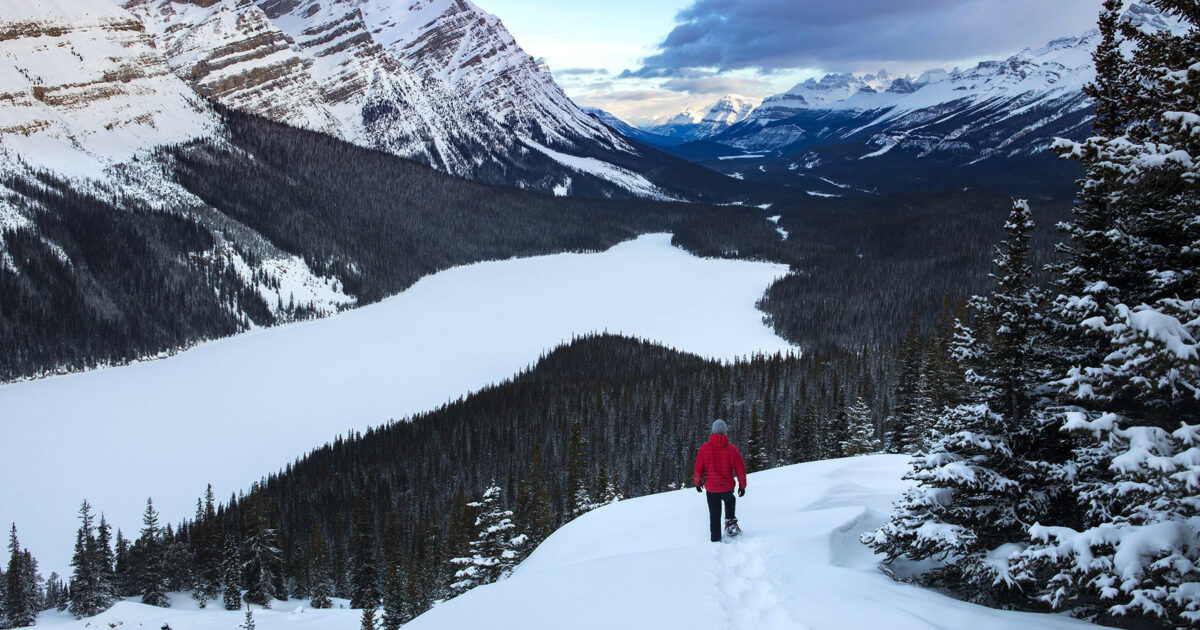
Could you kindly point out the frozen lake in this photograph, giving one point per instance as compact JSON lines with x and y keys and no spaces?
{"x":234,"y":410}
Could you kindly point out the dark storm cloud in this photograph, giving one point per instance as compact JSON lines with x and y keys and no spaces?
{"x":772,"y":35}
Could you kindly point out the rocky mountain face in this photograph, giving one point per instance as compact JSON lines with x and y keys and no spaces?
{"x":82,"y":83}
{"x":438,"y":81}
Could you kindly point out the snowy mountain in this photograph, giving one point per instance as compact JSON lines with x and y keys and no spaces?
{"x":688,"y":125}
{"x":812,"y":94}
{"x":882,"y":132}
{"x":438,"y":81}
{"x":989,"y":125}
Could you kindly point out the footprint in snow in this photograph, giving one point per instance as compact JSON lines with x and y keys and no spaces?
{"x":747,"y":590}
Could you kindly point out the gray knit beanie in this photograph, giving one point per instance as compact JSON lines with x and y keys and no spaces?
{"x":720,"y":427}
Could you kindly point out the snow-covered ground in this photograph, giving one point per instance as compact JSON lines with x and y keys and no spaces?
{"x":231,"y":411}
{"x":647,"y":563}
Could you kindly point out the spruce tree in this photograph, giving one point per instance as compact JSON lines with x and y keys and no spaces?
{"x":152,"y":579}
{"x":231,"y":575}
{"x":262,"y":559}
{"x":1126,"y":328}
{"x":20,"y":601}
{"x":860,"y":429}
{"x":578,"y":500}
{"x":91,"y":588}
{"x":209,"y":550}
{"x":493,"y":549}
{"x":322,"y":588}
{"x":976,"y":487}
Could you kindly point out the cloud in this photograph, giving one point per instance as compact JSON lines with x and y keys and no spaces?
{"x":768,"y":35}
{"x":716,"y":85}
{"x":582,"y":71}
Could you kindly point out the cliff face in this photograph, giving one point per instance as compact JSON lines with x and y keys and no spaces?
{"x":438,"y":81}
{"x":82,"y":84}
{"x":231,"y":52}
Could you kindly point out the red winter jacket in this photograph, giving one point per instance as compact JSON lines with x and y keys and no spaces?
{"x":716,"y":464}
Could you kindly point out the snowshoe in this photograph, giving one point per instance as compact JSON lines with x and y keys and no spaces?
{"x":731,"y":528}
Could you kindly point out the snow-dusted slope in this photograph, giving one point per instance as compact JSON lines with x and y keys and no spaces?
{"x":82,"y":86}
{"x":230,"y":411}
{"x":647,"y":563}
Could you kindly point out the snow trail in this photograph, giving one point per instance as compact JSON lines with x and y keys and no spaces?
{"x":749,"y":589}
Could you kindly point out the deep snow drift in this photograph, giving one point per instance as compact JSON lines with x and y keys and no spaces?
{"x":647,"y":563}
{"x":231,"y":411}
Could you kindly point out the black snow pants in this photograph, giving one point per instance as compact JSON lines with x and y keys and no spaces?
{"x":715,"y":499}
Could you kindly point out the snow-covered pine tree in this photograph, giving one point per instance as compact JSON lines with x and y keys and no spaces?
{"x":578,"y":499}
{"x":322,"y":581}
{"x":123,"y":579}
{"x":976,"y":490}
{"x":106,"y":562}
{"x":21,"y":593}
{"x":1127,"y":324}
{"x":152,"y":579}
{"x":396,"y":610}
{"x":231,"y":574}
{"x":493,"y":550}
{"x":606,"y":491}
{"x":262,"y":559}
{"x":860,"y":430}
{"x":3,"y":597}
{"x":91,"y":593}
{"x":209,"y":545}
{"x":368,"y":618}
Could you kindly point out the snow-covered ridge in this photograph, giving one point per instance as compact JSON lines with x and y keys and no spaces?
{"x":647,"y":563}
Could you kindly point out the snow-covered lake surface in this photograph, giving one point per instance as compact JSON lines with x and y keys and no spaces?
{"x":647,"y":563}
{"x":231,"y":411}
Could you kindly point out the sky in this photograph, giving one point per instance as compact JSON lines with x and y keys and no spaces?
{"x":645,"y":59}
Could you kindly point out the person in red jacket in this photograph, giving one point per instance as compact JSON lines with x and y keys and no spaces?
{"x":716,"y":464}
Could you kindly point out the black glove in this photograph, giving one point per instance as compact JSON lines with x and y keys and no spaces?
{"x":699,"y":489}
{"x":741,"y":492}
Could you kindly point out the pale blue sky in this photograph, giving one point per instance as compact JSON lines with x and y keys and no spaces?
{"x":764,"y":46}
